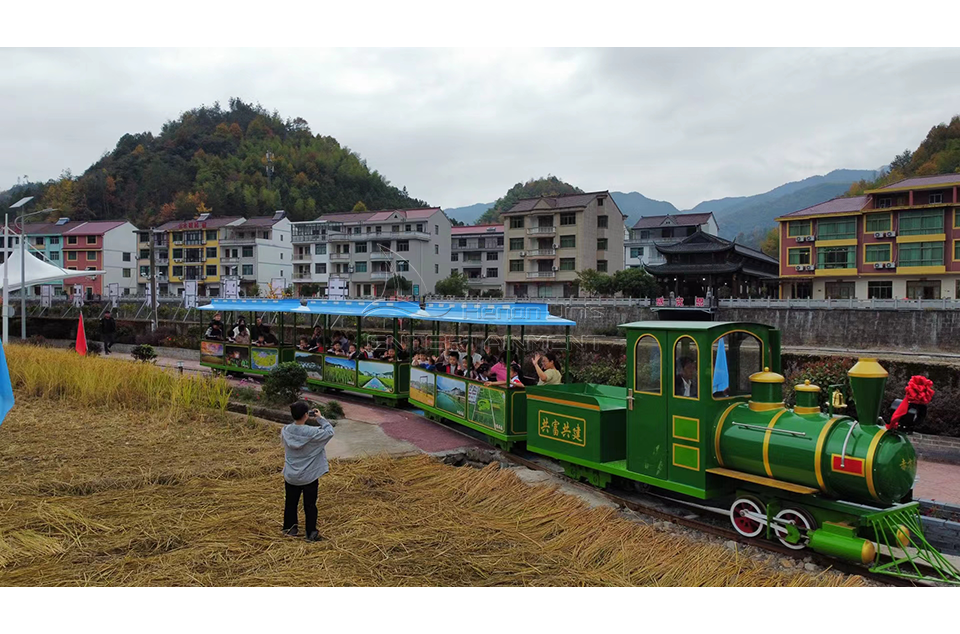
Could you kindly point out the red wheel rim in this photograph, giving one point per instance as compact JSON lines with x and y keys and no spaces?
{"x":745,"y":524}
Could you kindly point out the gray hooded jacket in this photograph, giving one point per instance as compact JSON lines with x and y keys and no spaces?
{"x":305,"y":453}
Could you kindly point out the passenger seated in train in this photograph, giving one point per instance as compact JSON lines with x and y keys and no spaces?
{"x":685,"y":383}
{"x":546,"y":367}
{"x":449,"y":366}
{"x":464,"y":367}
{"x":337,"y":351}
{"x":515,"y":381}
{"x":217,"y":319}
{"x":498,"y":371}
{"x":403,"y":352}
{"x":390,"y":355}
{"x":267,"y":337}
{"x":304,"y":344}
{"x":352,"y":352}
{"x":316,"y":340}
{"x":215,"y":332}
{"x":240,"y":330}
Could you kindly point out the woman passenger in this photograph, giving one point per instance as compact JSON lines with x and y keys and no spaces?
{"x":549,"y":374}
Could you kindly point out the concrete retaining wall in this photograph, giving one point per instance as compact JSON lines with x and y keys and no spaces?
{"x":941,"y":527}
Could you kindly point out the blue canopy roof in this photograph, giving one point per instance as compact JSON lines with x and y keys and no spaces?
{"x":492,"y":313}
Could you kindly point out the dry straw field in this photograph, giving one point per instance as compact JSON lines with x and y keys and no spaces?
{"x":113,"y":473}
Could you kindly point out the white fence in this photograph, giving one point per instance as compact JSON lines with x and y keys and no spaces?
{"x":846,"y":304}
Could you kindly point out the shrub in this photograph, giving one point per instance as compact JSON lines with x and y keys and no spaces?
{"x":332,"y":410}
{"x":38,"y":340}
{"x":823,"y":372}
{"x":283,"y":383}
{"x":94,"y":348}
{"x":610,"y":331}
{"x":145,"y":353}
{"x":594,"y":367}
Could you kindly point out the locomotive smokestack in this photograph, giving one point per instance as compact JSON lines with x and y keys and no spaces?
{"x":867,"y":380}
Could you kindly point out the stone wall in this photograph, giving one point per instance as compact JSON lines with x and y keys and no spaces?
{"x":895,"y":330}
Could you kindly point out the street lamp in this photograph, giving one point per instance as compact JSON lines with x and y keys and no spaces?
{"x":23,"y":266}
{"x":7,"y":251}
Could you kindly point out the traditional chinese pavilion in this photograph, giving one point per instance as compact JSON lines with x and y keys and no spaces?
{"x":702,"y":262}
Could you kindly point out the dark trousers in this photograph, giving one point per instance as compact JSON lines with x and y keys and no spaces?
{"x":292,"y":502}
{"x":108,"y":338}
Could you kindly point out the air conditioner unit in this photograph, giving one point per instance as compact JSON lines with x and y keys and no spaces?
{"x":878,"y":265}
{"x":890,"y":234}
{"x":810,"y":267}
{"x":811,"y":239}
{"x":556,"y":246}
{"x":801,"y":267}
{"x":878,"y":234}
{"x":178,"y":259}
{"x":556,"y":269}
{"x":890,"y":265}
{"x":523,"y":253}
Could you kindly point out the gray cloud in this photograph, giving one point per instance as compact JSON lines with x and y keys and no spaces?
{"x":461,"y":126}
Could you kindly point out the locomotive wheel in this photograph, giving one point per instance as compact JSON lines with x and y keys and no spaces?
{"x":747,"y":526}
{"x":799,"y":518}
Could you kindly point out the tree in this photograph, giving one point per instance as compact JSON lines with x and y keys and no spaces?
{"x":596,"y":283}
{"x":309,"y":290}
{"x":901,"y":161}
{"x":397,"y":285}
{"x":453,"y":286}
{"x":546,"y":186}
{"x":359,"y":207}
{"x":635,"y":282}
{"x":770,"y":245}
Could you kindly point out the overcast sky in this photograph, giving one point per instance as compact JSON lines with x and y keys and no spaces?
{"x":458,"y":127}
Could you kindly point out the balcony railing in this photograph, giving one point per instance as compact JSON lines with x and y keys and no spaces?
{"x":478,"y":247}
{"x":541,"y":274}
{"x":237,"y":240}
{"x":541,"y":230}
{"x":477,"y":281}
{"x":339,"y":256}
{"x":472,"y":260}
{"x":302,"y":257}
{"x":342,"y":236}
{"x":302,"y":276}
{"x":541,"y":253}
{"x":229,"y":259}
{"x":381,"y":275}
{"x":380,"y":255}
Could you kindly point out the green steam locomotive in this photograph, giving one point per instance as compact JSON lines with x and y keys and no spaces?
{"x":703,"y":416}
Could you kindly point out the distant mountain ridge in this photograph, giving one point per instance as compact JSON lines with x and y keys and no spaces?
{"x":469,"y":214}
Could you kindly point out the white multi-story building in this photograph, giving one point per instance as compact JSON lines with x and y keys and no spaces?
{"x":311,"y":259}
{"x":365,"y":250}
{"x":477,"y":253}
{"x":639,"y":246}
{"x":257,"y":251}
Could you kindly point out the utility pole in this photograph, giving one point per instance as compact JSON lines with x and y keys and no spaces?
{"x":153,"y":280}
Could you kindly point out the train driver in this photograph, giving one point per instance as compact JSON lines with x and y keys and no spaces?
{"x":686,"y":381}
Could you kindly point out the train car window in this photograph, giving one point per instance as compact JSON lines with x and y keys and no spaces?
{"x":736,"y":355}
{"x":648,"y":365}
{"x":686,"y":361}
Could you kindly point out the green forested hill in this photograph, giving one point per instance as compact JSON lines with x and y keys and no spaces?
{"x":939,"y":153}
{"x":547,"y":186}
{"x":214,"y":159}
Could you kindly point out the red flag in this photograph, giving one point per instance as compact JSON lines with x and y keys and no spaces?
{"x":81,"y":338}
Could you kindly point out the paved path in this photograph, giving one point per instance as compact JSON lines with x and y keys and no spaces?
{"x":938,"y":481}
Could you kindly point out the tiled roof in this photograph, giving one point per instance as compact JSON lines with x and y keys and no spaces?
{"x":484,"y":229}
{"x":75,"y":227}
{"x":212,"y":223}
{"x":260,"y":221}
{"x":570,"y":201}
{"x":98,"y":227}
{"x":380,"y":216}
{"x":835,"y":206}
{"x":923,"y":181}
{"x":679,"y":220}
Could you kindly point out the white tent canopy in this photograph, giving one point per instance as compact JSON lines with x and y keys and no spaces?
{"x":36,"y":271}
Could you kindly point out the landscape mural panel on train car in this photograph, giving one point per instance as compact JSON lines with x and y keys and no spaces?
{"x":487,"y":406}
{"x":264,"y":358}
{"x":312,"y":363}
{"x":339,"y":370}
{"x":211,"y":352}
{"x":452,"y":395}
{"x":422,"y":387}
{"x":376,"y":375}
{"x":237,"y":356}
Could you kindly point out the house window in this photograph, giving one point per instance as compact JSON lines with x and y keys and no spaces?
{"x":602,"y":266}
{"x":247,"y":269}
{"x":602,"y":222}
{"x":462,"y":242}
{"x":320,"y":267}
{"x":38,"y":241}
{"x":798,"y":256}
{"x":921,"y":222}
{"x":91,"y":239}
{"x":395,"y":228}
{"x":360,"y":267}
{"x":836,"y":257}
{"x":516,"y":244}
{"x":516,"y":222}
{"x":666,"y":233}
{"x":602,"y":244}
{"x":144,"y":271}
{"x":935,"y":199}
{"x":879,"y":290}
{"x":436,"y":269}
{"x":55,"y":255}
{"x":568,"y":264}
{"x":645,"y":235}
{"x":211,"y":252}
{"x":956,"y":253}
{"x":568,"y":242}
{"x":570,"y":219}
{"x":320,"y":249}
{"x":600,"y":202}
{"x":878,"y":222}
{"x":71,"y":239}
{"x":840,"y":229}
{"x":436,"y":229}
{"x":177,"y":254}
{"x":403,"y":266}
{"x":884,"y":203}
{"x":247,"y":252}
{"x":403,"y":245}
{"x":144,"y":237}
{"x":55,"y":240}
{"x":420,"y":227}
{"x":841,"y":290}
{"x":453,"y":272}
{"x":500,"y":242}
{"x":211,"y":235}
{"x":436,"y":249}
{"x":126,"y":272}
{"x":71,"y":255}
{"x":178,"y":271}
{"x":491,"y":256}
{"x":876,"y":253}
{"x":212,"y":270}
{"x":454,"y":257}
{"x":516,"y":265}
{"x":956,"y":220}
{"x":494,"y":272}
{"x":126,"y":256}
{"x":361,"y":247}
{"x":921,"y":254}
